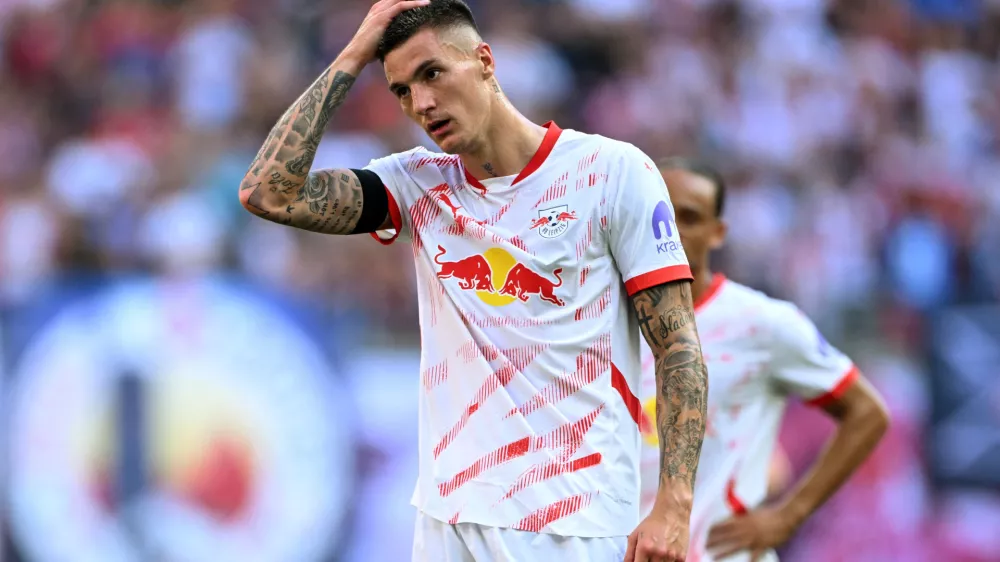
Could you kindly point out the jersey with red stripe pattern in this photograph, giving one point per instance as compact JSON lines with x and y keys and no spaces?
{"x":759,"y":352}
{"x":528,"y":417}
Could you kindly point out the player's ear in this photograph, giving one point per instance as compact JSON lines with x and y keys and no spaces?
{"x":719,"y":236}
{"x":484,"y":54}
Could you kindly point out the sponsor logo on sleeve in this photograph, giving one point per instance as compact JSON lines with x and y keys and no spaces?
{"x":664,"y":228}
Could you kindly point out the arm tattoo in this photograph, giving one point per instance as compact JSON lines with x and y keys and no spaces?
{"x":666,"y":317}
{"x":279,"y":186}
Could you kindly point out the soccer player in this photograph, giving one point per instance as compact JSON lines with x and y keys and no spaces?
{"x":538,"y":252}
{"x":759,"y":352}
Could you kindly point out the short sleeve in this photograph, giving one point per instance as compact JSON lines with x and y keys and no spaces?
{"x":804,"y":363}
{"x":642,"y":231}
{"x":392,"y":171}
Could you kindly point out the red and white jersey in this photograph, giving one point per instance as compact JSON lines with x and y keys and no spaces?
{"x":758,"y":351}
{"x":530,"y":350}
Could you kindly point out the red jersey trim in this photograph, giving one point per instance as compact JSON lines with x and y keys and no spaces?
{"x":718,"y":280}
{"x":473,"y":181}
{"x":732,"y":500}
{"x":838,"y":390}
{"x":657,"y":277}
{"x":632,"y":403}
{"x":548,"y":143}
{"x":395,"y":217}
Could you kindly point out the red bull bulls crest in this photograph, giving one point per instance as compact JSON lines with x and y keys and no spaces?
{"x":498,"y":278}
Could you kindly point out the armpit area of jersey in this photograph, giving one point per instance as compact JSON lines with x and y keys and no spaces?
{"x":376,"y":202}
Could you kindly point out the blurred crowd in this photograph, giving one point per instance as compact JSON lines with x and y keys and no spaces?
{"x":859,"y":137}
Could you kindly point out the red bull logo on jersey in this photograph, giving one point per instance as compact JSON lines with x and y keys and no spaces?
{"x":473,"y":272}
{"x":498,"y":279}
{"x":523,"y":283}
{"x":554,"y":221}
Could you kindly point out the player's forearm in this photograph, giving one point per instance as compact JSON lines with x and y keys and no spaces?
{"x":279,"y":174}
{"x":666,"y":314}
{"x":857,"y":434}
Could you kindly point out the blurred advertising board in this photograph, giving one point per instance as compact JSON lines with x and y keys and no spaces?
{"x":177,"y":421}
{"x":964,"y":426}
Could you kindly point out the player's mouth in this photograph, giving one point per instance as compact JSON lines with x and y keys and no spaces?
{"x":439,"y":128}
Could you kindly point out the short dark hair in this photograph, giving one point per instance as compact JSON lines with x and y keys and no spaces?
{"x":439,"y":14}
{"x":703,"y":169}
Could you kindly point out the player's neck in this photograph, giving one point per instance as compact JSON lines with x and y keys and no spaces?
{"x":510,"y":142}
{"x":703,"y":278}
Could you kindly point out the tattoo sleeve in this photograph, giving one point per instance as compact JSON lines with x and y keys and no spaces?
{"x":279,"y":186}
{"x":666,"y":317}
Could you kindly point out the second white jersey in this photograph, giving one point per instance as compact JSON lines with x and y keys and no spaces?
{"x":528,"y":414}
{"x":758,"y":352}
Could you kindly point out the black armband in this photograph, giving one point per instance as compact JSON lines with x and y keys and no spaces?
{"x":376,"y":202}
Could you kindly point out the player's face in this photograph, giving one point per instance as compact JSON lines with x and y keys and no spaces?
{"x":442,"y":81}
{"x":693,"y":197}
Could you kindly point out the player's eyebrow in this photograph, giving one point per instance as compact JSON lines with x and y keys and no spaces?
{"x":395,"y":86}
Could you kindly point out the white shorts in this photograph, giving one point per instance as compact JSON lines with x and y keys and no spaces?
{"x":437,"y":541}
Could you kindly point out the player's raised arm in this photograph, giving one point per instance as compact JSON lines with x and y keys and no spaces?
{"x":280,"y":185}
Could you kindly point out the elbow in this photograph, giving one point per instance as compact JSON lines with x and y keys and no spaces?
{"x":244,"y":195}
{"x":251,"y":197}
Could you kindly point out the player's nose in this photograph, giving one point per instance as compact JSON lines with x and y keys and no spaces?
{"x":423,"y":100}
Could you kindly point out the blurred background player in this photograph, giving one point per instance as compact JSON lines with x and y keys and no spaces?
{"x":759,"y":351}
{"x":529,"y":262}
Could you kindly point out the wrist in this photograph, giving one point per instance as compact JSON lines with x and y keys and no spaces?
{"x":674,"y":496}
{"x":350,"y":61}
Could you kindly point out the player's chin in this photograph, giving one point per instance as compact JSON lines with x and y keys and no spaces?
{"x":451,"y":144}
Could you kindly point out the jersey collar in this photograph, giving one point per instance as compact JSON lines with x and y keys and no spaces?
{"x":718,"y":280}
{"x":548,"y":143}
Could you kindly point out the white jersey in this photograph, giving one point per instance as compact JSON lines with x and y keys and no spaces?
{"x":530,"y":352}
{"x":758,"y":352}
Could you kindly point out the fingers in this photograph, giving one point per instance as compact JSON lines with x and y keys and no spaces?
{"x":406,"y":5}
{"x":630,"y":551}
{"x":393,"y":8}
{"x":728,"y":548}
{"x":648,"y":550}
{"x":728,"y":538}
{"x":723,"y":532}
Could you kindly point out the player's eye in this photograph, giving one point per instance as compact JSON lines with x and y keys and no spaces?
{"x":433,"y":74}
{"x":685,"y":216}
{"x":402,"y":92}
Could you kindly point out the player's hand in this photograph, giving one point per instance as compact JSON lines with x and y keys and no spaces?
{"x":364,"y":45}
{"x":756,"y":532}
{"x":661,"y":537}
